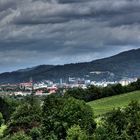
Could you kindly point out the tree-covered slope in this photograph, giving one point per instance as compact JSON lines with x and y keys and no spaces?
{"x":125,"y":64}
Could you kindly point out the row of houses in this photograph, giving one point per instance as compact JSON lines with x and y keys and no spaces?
{"x":48,"y":87}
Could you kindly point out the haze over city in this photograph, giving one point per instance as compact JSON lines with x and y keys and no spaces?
{"x":34,"y":32}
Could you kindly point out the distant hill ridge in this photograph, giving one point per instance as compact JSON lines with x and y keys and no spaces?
{"x":125,"y":64}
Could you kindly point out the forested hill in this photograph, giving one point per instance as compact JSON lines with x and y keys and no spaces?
{"x":125,"y":64}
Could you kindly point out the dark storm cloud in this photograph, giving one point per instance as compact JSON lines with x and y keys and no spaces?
{"x":42,"y":12}
{"x":65,"y":1}
{"x":61,"y":31}
{"x":6,"y":4}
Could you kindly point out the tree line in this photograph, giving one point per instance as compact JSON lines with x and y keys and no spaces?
{"x":50,"y":119}
{"x":95,"y":92}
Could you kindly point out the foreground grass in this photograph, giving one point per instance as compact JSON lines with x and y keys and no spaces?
{"x":104,"y":105}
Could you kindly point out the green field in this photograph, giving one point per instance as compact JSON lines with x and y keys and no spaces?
{"x":102,"y":106}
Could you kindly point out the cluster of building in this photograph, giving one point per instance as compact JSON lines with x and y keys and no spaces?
{"x":27,"y":88}
{"x":123,"y":82}
{"x":47,"y":87}
{"x":78,"y":82}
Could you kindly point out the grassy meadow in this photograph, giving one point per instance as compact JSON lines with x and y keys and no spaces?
{"x":104,"y":105}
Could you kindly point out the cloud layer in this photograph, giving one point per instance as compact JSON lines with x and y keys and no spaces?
{"x":63,"y":31}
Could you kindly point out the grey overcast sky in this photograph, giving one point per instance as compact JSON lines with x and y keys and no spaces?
{"x":34,"y":32}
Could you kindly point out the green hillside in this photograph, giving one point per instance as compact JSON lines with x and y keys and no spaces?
{"x":104,"y":105}
{"x":113,"y":68}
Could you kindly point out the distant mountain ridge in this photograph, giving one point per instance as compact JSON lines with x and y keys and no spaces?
{"x":125,"y":64}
